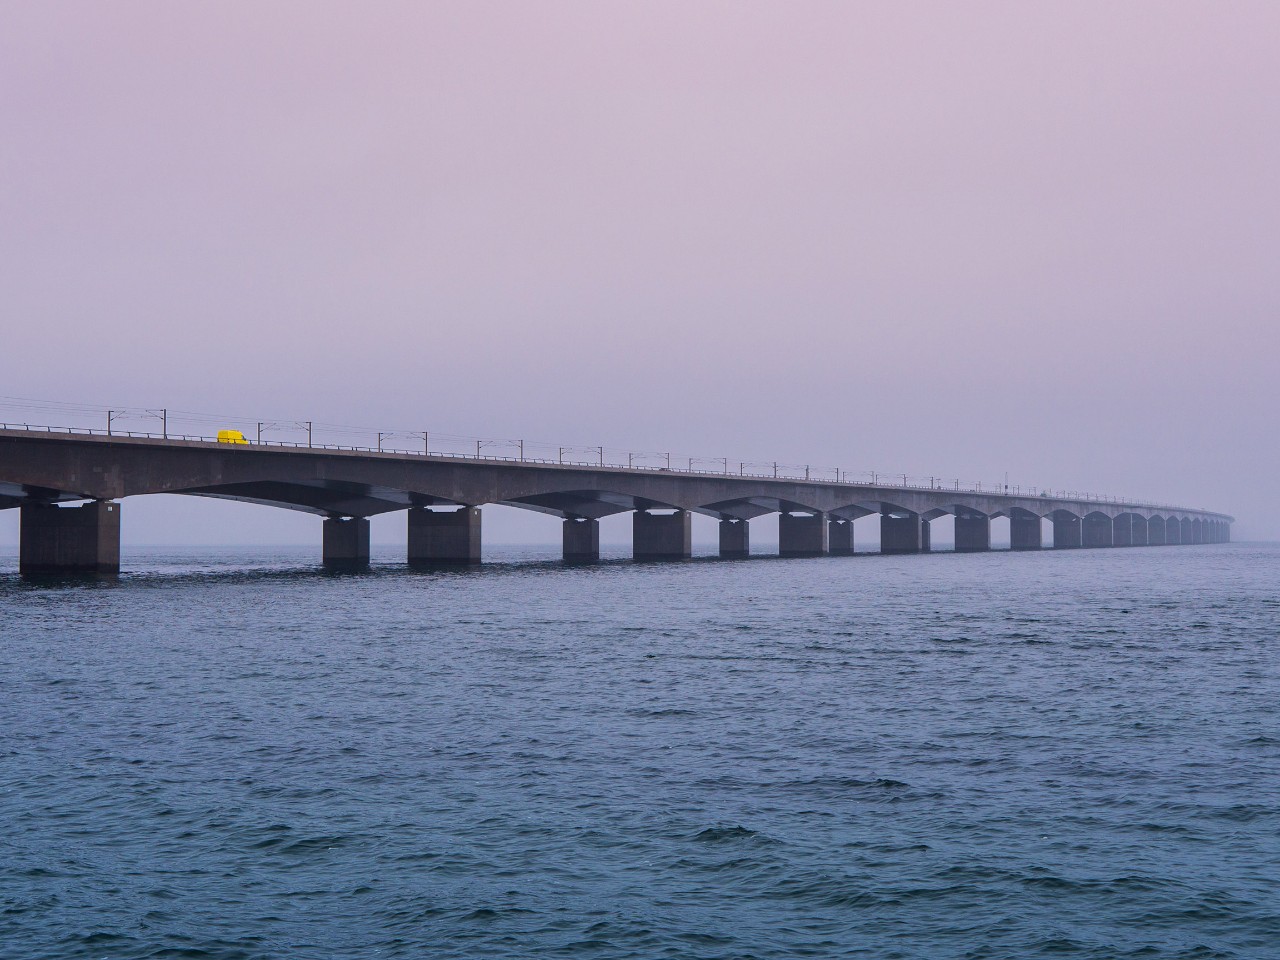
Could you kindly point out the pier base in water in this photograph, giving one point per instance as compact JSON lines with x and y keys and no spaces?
{"x":735,"y":539}
{"x":69,"y":540}
{"x":973,"y":533}
{"x":802,"y":534}
{"x":581,"y":538}
{"x":346,"y":543}
{"x":1066,"y":530}
{"x":840,"y":537}
{"x":444,"y":537}
{"x":661,"y":536}
{"x":901,"y":533}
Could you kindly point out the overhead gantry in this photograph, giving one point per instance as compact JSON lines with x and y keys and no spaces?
{"x":443,"y":496}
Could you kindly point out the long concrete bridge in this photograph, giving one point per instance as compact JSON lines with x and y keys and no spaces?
{"x":41,"y":472}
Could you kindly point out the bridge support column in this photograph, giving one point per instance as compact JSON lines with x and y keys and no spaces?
{"x":1024,"y":531}
{"x":346,"y":543}
{"x":581,"y":540}
{"x":1066,"y":530}
{"x":1097,"y":530}
{"x":840,"y":537}
{"x":735,"y":538}
{"x":1155,"y":531}
{"x":658,"y":536}
{"x":57,"y":540}
{"x":802,"y":535}
{"x":973,"y":533}
{"x":444,"y":538}
{"x":1122,"y":530}
{"x":900,"y":533}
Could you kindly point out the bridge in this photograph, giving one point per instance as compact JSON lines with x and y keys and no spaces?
{"x":44,"y":471}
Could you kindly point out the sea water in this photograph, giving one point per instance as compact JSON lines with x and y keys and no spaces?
{"x":232,"y":754}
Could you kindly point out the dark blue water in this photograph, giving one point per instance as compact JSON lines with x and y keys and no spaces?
{"x":233,"y":755}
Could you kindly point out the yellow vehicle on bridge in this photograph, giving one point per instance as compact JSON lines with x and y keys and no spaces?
{"x":231,"y":436}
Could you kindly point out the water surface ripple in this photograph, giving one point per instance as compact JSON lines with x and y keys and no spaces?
{"x":233,"y":755}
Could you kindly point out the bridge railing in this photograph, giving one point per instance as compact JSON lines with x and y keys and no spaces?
{"x":609,"y":459}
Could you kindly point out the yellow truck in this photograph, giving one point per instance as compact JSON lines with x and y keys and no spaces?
{"x":231,"y":436}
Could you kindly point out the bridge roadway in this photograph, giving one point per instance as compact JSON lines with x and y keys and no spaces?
{"x":443,"y":496}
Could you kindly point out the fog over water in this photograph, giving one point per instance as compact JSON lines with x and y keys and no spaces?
{"x":939,"y":239}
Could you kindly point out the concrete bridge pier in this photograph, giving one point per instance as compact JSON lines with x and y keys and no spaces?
{"x":735,"y":538}
{"x":581,"y":539}
{"x":1066,"y":530}
{"x":58,"y":541}
{"x":346,"y":543}
{"x":661,"y":536}
{"x":802,"y":534}
{"x":1122,"y":530}
{"x":901,"y":532}
{"x":973,"y":533}
{"x":444,"y":537}
{"x":840,"y":537}
{"x":1097,"y":530}
{"x":1024,"y":530}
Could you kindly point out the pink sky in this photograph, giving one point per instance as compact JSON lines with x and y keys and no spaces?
{"x":928,"y":237}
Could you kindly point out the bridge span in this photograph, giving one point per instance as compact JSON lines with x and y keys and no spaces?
{"x":42,"y":473}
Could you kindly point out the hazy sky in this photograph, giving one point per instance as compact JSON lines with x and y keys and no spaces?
{"x":940,"y":238}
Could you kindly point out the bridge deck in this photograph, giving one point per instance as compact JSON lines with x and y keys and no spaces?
{"x":40,"y":468}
